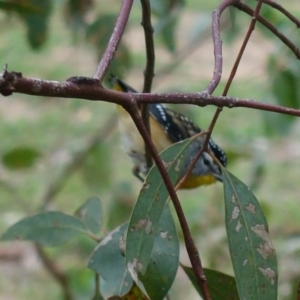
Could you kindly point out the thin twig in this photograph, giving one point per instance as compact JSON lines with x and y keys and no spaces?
{"x":189,"y":242}
{"x":283,"y":11}
{"x":149,"y":45}
{"x":248,"y":10}
{"x":149,"y":70}
{"x":233,"y":71}
{"x":97,"y":294}
{"x":219,"y":109}
{"x":243,"y":47}
{"x":218,"y":45}
{"x":114,"y":41}
{"x":145,"y":118}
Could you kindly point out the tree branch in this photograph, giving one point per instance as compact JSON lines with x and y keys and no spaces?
{"x":114,"y":41}
{"x":149,"y":45}
{"x":248,"y":10}
{"x":189,"y":242}
{"x":218,"y":45}
{"x":149,"y":70}
{"x":243,"y":47}
{"x":232,"y":74}
{"x":283,"y":11}
{"x":14,"y":82}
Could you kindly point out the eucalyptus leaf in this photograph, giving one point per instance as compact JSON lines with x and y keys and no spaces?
{"x":91,"y":214}
{"x":149,"y":207}
{"x":221,"y":286}
{"x":20,"y":158}
{"x":48,"y":228}
{"x":109,"y":262}
{"x":252,"y":253}
{"x":37,"y":23}
{"x":164,"y":258}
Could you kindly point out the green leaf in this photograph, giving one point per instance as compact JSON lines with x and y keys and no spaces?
{"x":276,"y":124}
{"x":135,"y":293}
{"x":20,"y":158}
{"x":48,"y":228}
{"x":37,"y":23}
{"x":75,"y":13}
{"x":109,"y":262}
{"x":252,"y":253}
{"x":163,"y":8}
{"x":284,"y":80}
{"x":149,"y":207}
{"x":18,"y":7}
{"x":164,"y":258}
{"x":91,"y":214}
{"x":166,"y":28}
{"x":168,"y":32}
{"x":285,"y":86}
{"x":100,"y":30}
{"x":220,"y":285}
{"x":168,"y":13}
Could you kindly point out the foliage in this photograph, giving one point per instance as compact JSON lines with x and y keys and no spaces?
{"x":140,"y":259}
{"x":151,"y":244}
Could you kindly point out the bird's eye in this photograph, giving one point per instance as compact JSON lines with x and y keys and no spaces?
{"x":206,"y":161}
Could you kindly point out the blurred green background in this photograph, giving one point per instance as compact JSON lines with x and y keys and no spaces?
{"x":55,"y":153}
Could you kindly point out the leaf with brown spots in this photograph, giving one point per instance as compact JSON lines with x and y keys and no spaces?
{"x":109,"y":262}
{"x":252,"y":253}
{"x":150,"y":205}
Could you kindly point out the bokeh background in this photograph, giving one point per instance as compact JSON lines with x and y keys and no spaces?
{"x":55,"y":153}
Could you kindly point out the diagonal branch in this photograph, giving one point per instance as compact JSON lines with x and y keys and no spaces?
{"x":114,"y":41}
{"x":232,"y":74}
{"x":248,"y":10}
{"x":149,"y":71}
{"x":242,"y":50}
{"x":283,"y":11}
{"x":189,"y":242}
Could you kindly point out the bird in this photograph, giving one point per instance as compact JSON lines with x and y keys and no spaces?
{"x":168,"y":127}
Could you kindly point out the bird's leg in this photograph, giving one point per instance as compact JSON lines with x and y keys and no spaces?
{"x":137,"y":173}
